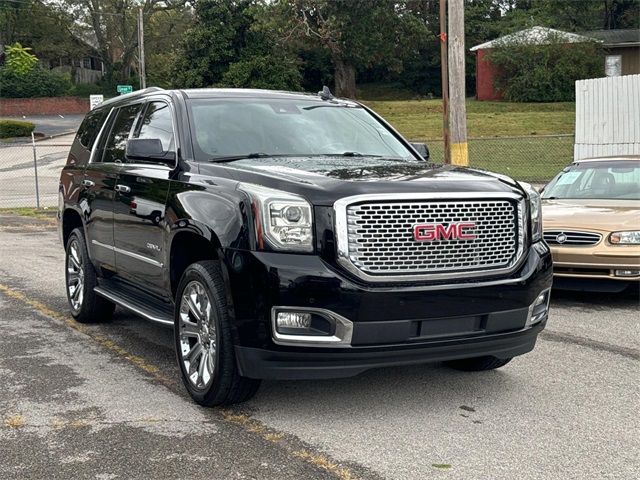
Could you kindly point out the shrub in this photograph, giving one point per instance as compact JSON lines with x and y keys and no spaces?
{"x":544,"y":73}
{"x":39,"y":82}
{"x":263,"y":71}
{"x":14,"y":128}
{"x":20,"y":59}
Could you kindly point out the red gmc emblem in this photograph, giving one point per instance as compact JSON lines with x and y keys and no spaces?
{"x":428,"y":232}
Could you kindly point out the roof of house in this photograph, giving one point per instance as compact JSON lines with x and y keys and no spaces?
{"x":534,"y":36}
{"x":617,"y":38}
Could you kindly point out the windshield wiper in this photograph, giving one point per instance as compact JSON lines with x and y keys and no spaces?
{"x":232,"y":158}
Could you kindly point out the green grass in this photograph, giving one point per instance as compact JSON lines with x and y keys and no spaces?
{"x":40,"y":213}
{"x":534,"y":159}
{"x":422,"y":119}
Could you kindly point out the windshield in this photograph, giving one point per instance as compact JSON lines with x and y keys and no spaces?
{"x":288,"y":127}
{"x":612,"y":180}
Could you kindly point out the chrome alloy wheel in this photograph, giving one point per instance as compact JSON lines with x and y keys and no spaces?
{"x":198,"y":335}
{"x":75,"y":275}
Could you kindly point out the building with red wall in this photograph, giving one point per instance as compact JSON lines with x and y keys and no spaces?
{"x":486,"y":72}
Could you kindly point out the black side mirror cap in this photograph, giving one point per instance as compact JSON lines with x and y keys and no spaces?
{"x":422,"y":149}
{"x":148,"y":150}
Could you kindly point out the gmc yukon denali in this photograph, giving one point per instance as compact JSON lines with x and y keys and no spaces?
{"x":295,"y":236}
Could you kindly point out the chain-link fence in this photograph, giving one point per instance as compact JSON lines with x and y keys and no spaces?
{"x":30,"y":172}
{"x":535,"y":159}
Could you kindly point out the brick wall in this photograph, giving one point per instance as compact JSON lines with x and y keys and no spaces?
{"x":485,"y":76}
{"x":11,"y":107}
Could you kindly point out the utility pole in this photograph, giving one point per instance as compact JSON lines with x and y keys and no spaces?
{"x":444,"y":71}
{"x":459,"y":154}
{"x":141,"y":70}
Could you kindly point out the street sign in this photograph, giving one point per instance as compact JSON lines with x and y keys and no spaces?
{"x":95,"y":100}
{"x":122,"y":89}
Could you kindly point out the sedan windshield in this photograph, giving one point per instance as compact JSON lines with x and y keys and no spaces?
{"x":230,"y":129}
{"x":607,"y":180}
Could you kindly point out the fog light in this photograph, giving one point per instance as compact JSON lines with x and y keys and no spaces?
{"x":627,"y":273}
{"x":296,"y":320}
{"x":539,"y":309}
{"x":309,"y":326}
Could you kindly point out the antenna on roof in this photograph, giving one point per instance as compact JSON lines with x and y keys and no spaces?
{"x":325,"y":93}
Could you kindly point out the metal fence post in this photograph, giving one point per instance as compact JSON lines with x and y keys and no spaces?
{"x":35,"y":169}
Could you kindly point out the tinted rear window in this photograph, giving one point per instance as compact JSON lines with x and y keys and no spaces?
{"x":90,"y":127}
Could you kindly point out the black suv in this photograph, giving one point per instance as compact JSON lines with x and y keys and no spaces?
{"x":295,"y":236}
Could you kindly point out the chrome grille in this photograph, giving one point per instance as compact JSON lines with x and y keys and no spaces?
{"x":380,"y":239}
{"x":564,"y":237}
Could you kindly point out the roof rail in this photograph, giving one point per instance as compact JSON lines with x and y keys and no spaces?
{"x":137,"y":93}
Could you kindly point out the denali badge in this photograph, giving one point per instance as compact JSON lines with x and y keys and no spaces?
{"x":428,"y":232}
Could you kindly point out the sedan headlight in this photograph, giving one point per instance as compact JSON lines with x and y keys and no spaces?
{"x":625,"y":238}
{"x":535,"y":210}
{"x":283,"y":219}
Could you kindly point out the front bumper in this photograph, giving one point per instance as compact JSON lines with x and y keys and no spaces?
{"x":598,"y":262}
{"x":393,"y":324}
{"x":317,"y":364}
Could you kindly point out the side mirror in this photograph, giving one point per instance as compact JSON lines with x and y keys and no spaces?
{"x":422,"y":149}
{"x":148,"y":150}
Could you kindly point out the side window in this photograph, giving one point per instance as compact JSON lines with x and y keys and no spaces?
{"x":90,"y":127}
{"x":156,"y":123}
{"x":116,"y":143}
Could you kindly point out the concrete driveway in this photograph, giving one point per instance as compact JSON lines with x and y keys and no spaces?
{"x":105,"y":401}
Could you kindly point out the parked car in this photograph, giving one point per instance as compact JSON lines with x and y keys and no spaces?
{"x":300,"y":237}
{"x":591,"y":217}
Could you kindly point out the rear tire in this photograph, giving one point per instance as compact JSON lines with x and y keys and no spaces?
{"x":204,"y":339}
{"x":478,"y":364}
{"x":80,"y":280}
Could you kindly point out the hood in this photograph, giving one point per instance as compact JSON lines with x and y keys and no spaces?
{"x":594,"y":215}
{"x":325,"y":179}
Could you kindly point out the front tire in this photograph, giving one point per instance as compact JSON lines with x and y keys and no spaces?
{"x":81,"y":279}
{"x":478,"y":364}
{"x":204,"y":340}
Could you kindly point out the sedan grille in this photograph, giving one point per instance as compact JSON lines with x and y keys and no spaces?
{"x":563,"y":237}
{"x":381,"y":236}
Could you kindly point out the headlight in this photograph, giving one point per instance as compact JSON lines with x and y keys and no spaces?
{"x":283,"y":219}
{"x":625,"y":238}
{"x":536,"y":211}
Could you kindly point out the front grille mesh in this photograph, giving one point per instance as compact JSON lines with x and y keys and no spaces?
{"x":558,"y":237}
{"x":381,"y":239}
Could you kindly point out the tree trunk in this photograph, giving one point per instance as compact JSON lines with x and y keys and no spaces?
{"x":345,"y":79}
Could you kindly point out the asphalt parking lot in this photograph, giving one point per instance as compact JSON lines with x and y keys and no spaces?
{"x":105,"y":401}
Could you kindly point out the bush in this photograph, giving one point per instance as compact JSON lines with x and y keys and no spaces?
{"x":544,"y":73}
{"x":39,"y":82}
{"x":263,"y":71}
{"x":14,"y":128}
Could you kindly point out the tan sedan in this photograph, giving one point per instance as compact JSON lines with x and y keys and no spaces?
{"x":591,"y":221}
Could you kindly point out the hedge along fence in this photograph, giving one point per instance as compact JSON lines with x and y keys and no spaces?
{"x":15,"y":128}
{"x":12,"y":107}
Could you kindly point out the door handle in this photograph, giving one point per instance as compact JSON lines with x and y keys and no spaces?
{"x":123,"y":189}
{"x":88,"y":183}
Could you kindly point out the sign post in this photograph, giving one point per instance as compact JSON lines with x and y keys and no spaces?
{"x":124,"y":89}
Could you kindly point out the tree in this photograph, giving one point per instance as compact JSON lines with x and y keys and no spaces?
{"x":214,"y":42}
{"x":111,"y":24}
{"x":19,"y":59}
{"x":46,"y":28}
{"x":544,"y":73}
{"x":355,"y":33}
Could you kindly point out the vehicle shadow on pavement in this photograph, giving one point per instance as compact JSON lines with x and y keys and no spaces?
{"x":627,"y":298}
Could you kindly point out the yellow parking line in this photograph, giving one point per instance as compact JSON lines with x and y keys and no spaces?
{"x":245,"y":422}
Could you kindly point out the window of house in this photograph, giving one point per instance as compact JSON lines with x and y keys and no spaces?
{"x":613,"y":65}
